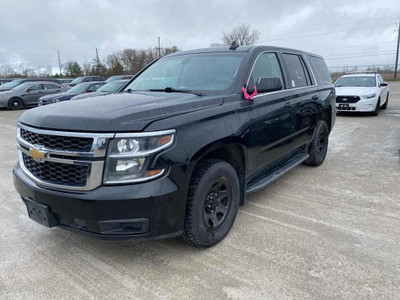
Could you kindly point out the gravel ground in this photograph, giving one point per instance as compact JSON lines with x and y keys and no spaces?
{"x":327,"y":232}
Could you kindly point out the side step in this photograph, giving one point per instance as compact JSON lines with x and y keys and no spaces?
{"x":276,"y":173}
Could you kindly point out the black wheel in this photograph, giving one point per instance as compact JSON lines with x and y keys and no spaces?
{"x":212,"y":203}
{"x":376,"y":111}
{"x":384,"y":106}
{"x":15,"y":103}
{"x":319,"y":145}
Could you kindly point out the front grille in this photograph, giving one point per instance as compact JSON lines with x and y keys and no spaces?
{"x":55,"y":142}
{"x":349,"y":99}
{"x":57,"y":173}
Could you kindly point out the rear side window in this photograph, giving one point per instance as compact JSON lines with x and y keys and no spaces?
{"x":48,"y":86}
{"x":295,"y":68}
{"x":321,"y":69}
{"x":267,"y":65}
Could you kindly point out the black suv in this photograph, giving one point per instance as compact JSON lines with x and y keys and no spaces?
{"x":177,"y":151}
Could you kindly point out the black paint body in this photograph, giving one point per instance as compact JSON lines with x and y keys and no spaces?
{"x":257,"y":136}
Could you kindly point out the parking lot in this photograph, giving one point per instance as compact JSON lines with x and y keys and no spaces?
{"x":326,"y":232}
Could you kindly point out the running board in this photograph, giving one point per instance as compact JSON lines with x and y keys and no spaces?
{"x":276,"y":173}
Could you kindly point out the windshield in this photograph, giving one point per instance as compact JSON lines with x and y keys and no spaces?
{"x":112,"y":86}
{"x":77,"y":80}
{"x":356,"y":81}
{"x":197,"y":72}
{"x":11,"y":84}
{"x":79,"y":88}
{"x":22,"y":86}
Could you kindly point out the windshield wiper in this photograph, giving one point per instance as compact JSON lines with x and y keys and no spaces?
{"x":173,"y":90}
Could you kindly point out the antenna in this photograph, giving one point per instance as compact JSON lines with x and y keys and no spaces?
{"x":234,"y":46}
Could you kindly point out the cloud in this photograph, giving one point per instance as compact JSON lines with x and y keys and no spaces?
{"x":33,"y":30}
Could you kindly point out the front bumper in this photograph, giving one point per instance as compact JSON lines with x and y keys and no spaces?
{"x":151,"y":210}
{"x":363,"y":105}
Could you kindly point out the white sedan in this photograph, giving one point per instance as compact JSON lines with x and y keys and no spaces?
{"x":361,"y":93}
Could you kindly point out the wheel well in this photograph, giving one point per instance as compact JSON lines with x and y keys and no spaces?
{"x":234,"y":155}
{"x":327,"y":117}
{"x":23,"y":103}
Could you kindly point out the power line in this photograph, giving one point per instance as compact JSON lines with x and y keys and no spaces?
{"x":382,"y":54}
{"x":321,"y":33}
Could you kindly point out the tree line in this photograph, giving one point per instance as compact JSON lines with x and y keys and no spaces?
{"x":127,"y":61}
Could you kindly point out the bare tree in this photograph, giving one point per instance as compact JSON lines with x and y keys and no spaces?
{"x":242,"y":34}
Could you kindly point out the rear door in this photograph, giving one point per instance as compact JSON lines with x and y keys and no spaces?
{"x":273,"y":120}
{"x":307,"y":97}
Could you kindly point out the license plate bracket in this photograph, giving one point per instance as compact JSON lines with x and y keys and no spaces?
{"x":40,"y":213}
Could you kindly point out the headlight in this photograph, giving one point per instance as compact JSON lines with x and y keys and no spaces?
{"x":129,"y":156}
{"x":369,"y":96}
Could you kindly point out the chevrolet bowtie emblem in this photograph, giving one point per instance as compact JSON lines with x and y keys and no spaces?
{"x":37,"y":155}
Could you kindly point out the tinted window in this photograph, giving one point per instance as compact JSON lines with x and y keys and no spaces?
{"x":77,"y":80}
{"x":48,"y":86}
{"x":79,"y":88}
{"x":35,"y":87}
{"x":296,"y":74}
{"x":364,"y":81}
{"x":267,"y":65}
{"x":94,"y":87}
{"x":321,"y":69}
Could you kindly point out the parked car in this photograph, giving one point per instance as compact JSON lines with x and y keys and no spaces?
{"x":108,"y":88}
{"x":86,"y":87}
{"x":10,"y":85}
{"x":66,"y":80}
{"x":362,"y":92}
{"x":119,"y":77}
{"x":85,"y":79}
{"x":4,"y":81}
{"x":176,"y":152}
{"x":28,"y":94}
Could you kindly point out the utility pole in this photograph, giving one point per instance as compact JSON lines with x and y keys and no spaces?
{"x":159,"y":48}
{"x":97,"y":56}
{"x":397,"y":53}
{"x":59,"y":61}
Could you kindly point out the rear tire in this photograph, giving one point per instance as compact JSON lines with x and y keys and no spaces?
{"x":15,"y":104}
{"x":384,"y":106}
{"x":212,"y":203}
{"x":319,"y":145}
{"x":376,"y":111}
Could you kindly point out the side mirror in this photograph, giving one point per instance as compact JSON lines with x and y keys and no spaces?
{"x":268,"y":84}
{"x":26,"y":91}
{"x":383,"y":84}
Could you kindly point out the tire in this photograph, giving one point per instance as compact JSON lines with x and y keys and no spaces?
{"x":384,"y":106}
{"x":212,"y":204}
{"x":319,"y":145}
{"x":15,"y":104}
{"x":376,"y":111}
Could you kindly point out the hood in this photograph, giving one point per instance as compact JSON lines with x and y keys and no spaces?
{"x":60,"y":96}
{"x":122,"y":112}
{"x":88,"y":95}
{"x":354,"y":90}
{"x":4,"y":89}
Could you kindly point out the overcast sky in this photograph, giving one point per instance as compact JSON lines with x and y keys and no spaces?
{"x":344,"y":32}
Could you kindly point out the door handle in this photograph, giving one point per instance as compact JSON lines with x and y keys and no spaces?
{"x":288,"y":105}
{"x":315,"y":97}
